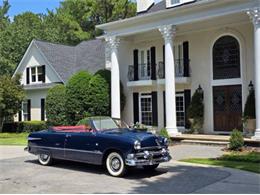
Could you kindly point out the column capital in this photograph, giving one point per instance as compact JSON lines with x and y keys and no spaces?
{"x":254,"y":15}
{"x":112,"y":41}
{"x":167,"y":31}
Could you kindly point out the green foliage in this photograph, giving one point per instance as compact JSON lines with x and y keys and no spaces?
{"x":236,"y":140}
{"x":24,"y":126}
{"x":164,"y":133}
{"x":106,"y":74}
{"x":196,"y":111}
{"x":196,"y":108}
{"x":249,"y":111}
{"x":31,"y":126}
{"x":77,"y":92}
{"x":98,"y":96}
{"x":242,"y":156}
{"x":72,"y":22}
{"x":11,"y":97}
{"x":55,"y":105}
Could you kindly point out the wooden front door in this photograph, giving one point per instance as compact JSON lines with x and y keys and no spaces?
{"x":227,"y":103}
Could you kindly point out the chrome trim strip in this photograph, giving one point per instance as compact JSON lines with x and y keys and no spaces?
{"x":152,"y":147}
{"x":34,"y":138}
{"x":68,"y":149}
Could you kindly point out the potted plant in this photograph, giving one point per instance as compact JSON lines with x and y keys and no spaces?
{"x":140,"y":127}
{"x":249,"y":117}
{"x":196,"y":111}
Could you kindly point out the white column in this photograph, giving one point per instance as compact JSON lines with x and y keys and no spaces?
{"x":168,"y":32}
{"x":255,"y":17}
{"x":115,"y":77}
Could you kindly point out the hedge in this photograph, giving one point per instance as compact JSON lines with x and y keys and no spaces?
{"x":25,"y":126}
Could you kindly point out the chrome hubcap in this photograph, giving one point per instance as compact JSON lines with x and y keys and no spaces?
{"x":44,"y":157}
{"x":115,"y":164}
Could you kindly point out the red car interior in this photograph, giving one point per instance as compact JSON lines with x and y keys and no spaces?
{"x":72,"y":129}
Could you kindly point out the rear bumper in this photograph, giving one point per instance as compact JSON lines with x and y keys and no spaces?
{"x":148,"y":157}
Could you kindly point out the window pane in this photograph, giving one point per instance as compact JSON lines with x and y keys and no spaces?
{"x":33,"y":78}
{"x":180,"y":114}
{"x":33,"y":70}
{"x":146,"y":110}
{"x":226,"y":58}
{"x":40,"y":74}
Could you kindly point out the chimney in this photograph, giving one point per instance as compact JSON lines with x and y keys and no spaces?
{"x":144,"y":5}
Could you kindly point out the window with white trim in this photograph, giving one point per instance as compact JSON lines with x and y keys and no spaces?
{"x":180,"y":110}
{"x":36,"y":74}
{"x":25,"y":110}
{"x":145,"y":109}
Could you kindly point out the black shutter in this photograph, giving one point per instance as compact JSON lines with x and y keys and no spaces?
{"x":136,"y":64}
{"x":155,"y":108}
{"x":153,"y":63}
{"x":27,"y":75}
{"x":186,"y":60}
{"x":164,"y":54}
{"x":43,"y":73}
{"x":29,"y":109}
{"x":20,"y":115}
{"x":42,"y":109}
{"x":187,"y":99}
{"x":164,"y":110}
{"x":136,"y":107}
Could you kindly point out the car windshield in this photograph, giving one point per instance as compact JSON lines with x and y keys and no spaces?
{"x":105,"y":123}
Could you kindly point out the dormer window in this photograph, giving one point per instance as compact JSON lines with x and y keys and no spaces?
{"x":173,"y":3}
{"x":35,"y":74}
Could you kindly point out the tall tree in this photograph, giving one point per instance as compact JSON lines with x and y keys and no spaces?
{"x":4,"y":18}
{"x":16,"y":37}
{"x":11,"y":97}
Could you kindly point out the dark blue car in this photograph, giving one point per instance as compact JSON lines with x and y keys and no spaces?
{"x":101,"y":142}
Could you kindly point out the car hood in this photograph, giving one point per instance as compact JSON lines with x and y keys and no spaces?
{"x":147,"y":139}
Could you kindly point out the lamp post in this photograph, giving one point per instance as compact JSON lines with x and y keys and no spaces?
{"x":250,"y":87}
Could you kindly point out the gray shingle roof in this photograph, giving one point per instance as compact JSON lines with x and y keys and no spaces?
{"x":162,"y":6}
{"x":66,"y":60}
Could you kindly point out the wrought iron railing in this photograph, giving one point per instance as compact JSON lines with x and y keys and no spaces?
{"x":144,"y":71}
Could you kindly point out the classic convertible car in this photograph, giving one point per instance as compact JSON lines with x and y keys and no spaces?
{"x":101,"y":141}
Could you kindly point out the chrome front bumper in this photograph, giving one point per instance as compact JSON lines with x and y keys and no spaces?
{"x":147,"y":157}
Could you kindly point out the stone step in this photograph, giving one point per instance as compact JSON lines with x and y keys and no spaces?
{"x":205,"y":142}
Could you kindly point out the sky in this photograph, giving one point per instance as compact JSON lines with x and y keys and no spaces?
{"x":35,"y":6}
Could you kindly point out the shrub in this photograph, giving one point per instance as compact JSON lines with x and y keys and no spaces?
{"x":106,"y":74}
{"x":249,"y":111}
{"x":236,"y":140}
{"x":30,"y":126}
{"x":77,"y":91}
{"x":196,"y":108}
{"x":98,"y":96}
{"x":196,"y":111}
{"x":25,"y":126}
{"x":55,"y":105}
{"x":164,"y":133}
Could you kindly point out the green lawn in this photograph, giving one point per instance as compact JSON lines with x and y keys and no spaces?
{"x":249,"y":161}
{"x":13,"y":138}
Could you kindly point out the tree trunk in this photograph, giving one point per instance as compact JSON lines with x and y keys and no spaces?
{"x":1,"y":124}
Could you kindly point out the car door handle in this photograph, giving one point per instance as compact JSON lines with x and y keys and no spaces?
{"x":68,"y":135}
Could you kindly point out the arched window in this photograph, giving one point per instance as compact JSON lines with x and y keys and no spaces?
{"x":226,"y":58}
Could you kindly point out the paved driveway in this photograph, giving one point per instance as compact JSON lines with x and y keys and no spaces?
{"x":22,"y":174}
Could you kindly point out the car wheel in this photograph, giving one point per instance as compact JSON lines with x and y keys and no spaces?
{"x":45,"y":159}
{"x":150,"y":167}
{"x":115,"y":164}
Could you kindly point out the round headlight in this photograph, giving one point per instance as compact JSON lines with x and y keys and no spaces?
{"x":165,"y":141}
{"x":137,"y":145}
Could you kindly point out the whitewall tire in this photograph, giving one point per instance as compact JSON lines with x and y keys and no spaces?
{"x":115,"y":164}
{"x":44,"y":159}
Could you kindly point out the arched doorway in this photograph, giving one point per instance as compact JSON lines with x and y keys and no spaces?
{"x":227,"y":97}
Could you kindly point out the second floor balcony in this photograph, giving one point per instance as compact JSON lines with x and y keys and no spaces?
{"x":144,"y":72}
